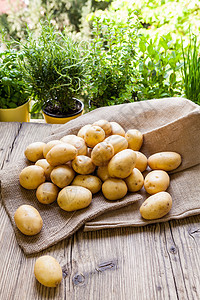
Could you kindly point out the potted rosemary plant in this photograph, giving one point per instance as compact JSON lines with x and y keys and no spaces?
{"x":53,"y":66}
{"x":14,"y":92}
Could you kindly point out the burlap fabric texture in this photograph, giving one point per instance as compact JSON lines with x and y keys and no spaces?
{"x":171,"y":124}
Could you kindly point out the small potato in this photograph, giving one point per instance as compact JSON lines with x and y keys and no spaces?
{"x":61,"y":154}
{"x":49,"y":146}
{"x":141,"y":162}
{"x":102,"y":173}
{"x":46,"y":166}
{"x":82,"y":131}
{"x":114,"y":189}
{"x":34,"y":151}
{"x":47,"y":271}
{"x":156,"y":206}
{"x":134,"y":181}
{"x":156,"y":181}
{"x":122,"y":164}
{"x":77,"y":142}
{"x":134,"y":138}
{"x":90,"y":182}
{"x":166,"y":161}
{"x":83,"y":165}
{"x":89,"y":151}
{"x":74,"y":197}
{"x":28,"y":220}
{"x":119,"y":142}
{"x":62,"y":175}
{"x":105,"y":125}
{"x":31,"y":177}
{"x":117,"y":129}
{"x":94,"y":135}
{"x":47,"y":193}
{"x":102,"y":153}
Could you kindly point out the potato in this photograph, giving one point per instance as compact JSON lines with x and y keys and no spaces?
{"x":90,"y":182}
{"x":114,"y":189}
{"x":82,"y":131}
{"x":47,"y":193}
{"x":61,"y":154}
{"x":141,"y":161}
{"x":156,"y":181}
{"x":74,"y":197}
{"x":89,"y":151}
{"x":34,"y":151}
{"x":117,"y":129}
{"x":46,"y":166}
{"x":31,"y":177}
{"x":83,"y":165}
{"x":28,"y":220}
{"x":166,"y":161}
{"x":134,"y":181}
{"x":77,"y":142}
{"x":62,"y":175}
{"x":102,"y":153}
{"x":134,"y":138}
{"x":102,"y":173}
{"x":94,"y":135}
{"x":49,"y":146}
{"x":122,"y":164}
{"x":48,"y":271}
{"x":119,"y":142}
{"x":156,"y":206}
{"x":105,"y":125}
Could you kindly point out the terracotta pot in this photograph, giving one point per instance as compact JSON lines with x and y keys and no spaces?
{"x":18,"y":114}
{"x":61,"y":119}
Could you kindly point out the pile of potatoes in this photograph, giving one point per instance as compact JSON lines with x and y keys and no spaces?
{"x":102,"y":156}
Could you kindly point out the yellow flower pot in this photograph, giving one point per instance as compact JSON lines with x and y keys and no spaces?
{"x":56,"y":119}
{"x":18,"y":114}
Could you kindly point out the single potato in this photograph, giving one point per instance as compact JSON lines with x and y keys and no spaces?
{"x":156,"y":181}
{"x":118,"y":142}
{"x":141,"y":161}
{"x":122,"y":164}
{"x":156,"y":206}
{"x":28,"y":220}
{"x":31,"y":177}
{"x":105,"y":125}
{"x":49,"y":146}
{"x":102,"y":173}
{"x":166,"y":161}
{"x":134,"y":181}
{"x":47,"y":193}
{"x":102,"y":153}
{"x":94,"y":135}
{"x":47,"y":271}
{"x":61,"y":154}
{"x":82,"y":131}
{"x":117,"y":129}
{"x":46,"y":166}
{"x":114,"y":189}
{"x":62,"y":175}
{"x":83,"y":165}
{"x":134,"y":138}
{"x":34,"y":151}
{"x":90,"y":182}
{"x":77,"y":142}
{"x":74,"y":197}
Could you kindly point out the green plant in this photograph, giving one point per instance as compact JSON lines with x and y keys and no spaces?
{"x":191,"y":70}
{"x":53,"y":65}
{"x":111,"y":71}
{"x":159,"y":64}
{"x":13,"y":89}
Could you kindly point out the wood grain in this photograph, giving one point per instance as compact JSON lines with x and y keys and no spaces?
{"x":160,"y":261}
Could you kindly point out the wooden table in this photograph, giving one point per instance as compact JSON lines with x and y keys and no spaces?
{"x":159,"y":261}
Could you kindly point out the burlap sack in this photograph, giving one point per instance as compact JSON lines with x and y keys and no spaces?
{"x":168,"y":125}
